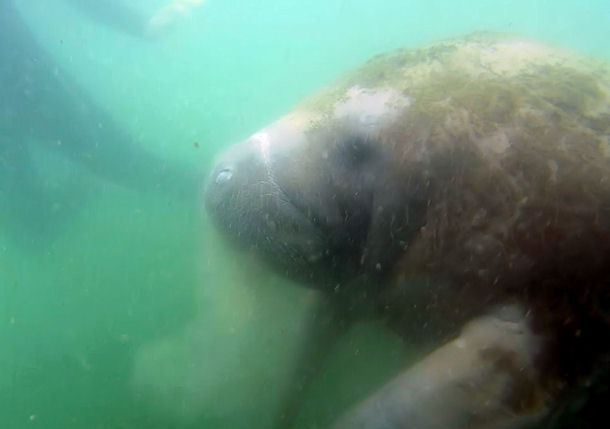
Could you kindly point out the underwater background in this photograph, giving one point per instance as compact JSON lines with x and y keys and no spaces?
{"x":119,"y":306}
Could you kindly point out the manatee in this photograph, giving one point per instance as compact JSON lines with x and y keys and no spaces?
{"x":460,"y":193}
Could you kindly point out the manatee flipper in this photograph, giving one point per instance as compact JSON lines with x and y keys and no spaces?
{"x":324,"y":327}
{"x":483,"y":379}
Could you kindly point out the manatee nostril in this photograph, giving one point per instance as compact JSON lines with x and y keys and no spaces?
{"x":224,"y":175}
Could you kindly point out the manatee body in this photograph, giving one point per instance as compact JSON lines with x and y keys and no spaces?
{"x":459,"y":191}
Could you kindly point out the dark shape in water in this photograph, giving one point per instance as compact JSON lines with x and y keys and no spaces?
{"x":39,"y":104}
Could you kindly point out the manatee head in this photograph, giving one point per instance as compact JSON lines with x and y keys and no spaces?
{"x":319,"y":196}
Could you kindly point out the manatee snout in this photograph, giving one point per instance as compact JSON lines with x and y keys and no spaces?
{"x":237,"y":177}
{"x":249,"y":202}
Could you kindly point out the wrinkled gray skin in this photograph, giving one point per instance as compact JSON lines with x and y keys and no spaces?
{"x":330,"y":226}
{"x":462,"y":191}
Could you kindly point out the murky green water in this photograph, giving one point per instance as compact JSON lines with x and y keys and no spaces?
{"x":119,"y":308}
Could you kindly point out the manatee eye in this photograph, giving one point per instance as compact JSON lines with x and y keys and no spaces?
{"x":223,"y":176}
